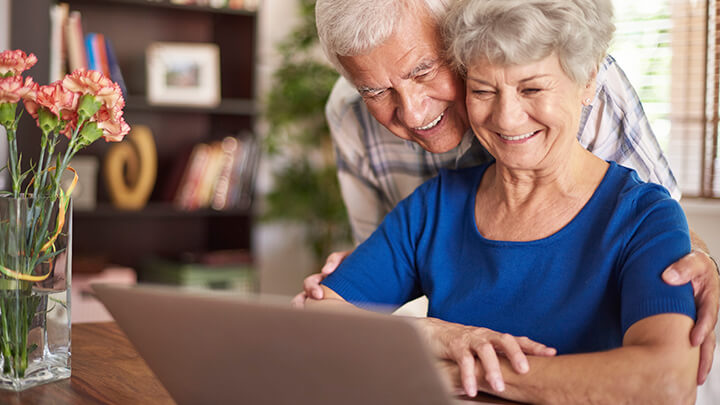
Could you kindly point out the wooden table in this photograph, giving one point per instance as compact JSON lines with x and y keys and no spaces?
{"x":106,"y":369}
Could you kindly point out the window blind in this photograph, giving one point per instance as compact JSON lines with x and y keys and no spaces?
{"x":670,"y":51}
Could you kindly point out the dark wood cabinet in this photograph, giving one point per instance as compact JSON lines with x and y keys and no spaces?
{"x":128,"y":237}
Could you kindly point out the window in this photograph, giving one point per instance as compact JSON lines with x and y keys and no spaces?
{"x":667,"y":48}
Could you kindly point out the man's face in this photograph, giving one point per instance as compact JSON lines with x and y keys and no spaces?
{"x":408,"y":87}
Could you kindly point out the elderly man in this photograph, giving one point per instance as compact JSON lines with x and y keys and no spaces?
{"x":398,"y":115}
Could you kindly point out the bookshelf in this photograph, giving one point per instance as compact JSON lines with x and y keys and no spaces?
{"x":127,"y":238}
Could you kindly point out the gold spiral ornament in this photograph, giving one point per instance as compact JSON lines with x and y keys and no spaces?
{"x":130,"y":169}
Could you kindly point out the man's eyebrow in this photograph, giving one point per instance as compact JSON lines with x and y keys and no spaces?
{"x":366,"y":89}
{"x":424,"y":65}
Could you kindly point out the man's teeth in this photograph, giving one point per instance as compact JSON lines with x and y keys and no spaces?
{"x":518,"y":137}
{"x":432,"y":124}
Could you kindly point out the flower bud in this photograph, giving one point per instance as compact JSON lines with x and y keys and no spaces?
{"x":47,"y":121}
{"x":89,"y":134}
{"x":87,"y":107}
{"x":7,"y":114}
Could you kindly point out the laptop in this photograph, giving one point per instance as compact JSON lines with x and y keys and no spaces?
{"x":217,"y":348}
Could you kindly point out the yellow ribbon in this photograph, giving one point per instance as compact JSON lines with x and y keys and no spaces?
{"x":62,"y":210}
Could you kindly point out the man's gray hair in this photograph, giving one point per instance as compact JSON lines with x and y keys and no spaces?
{"x":356,"y":27}
{"x":516,"y":32}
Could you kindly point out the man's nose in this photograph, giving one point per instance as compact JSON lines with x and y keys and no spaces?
{"x":411,"y":108}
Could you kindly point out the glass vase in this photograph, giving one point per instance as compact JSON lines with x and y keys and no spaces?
{"x":35,"y":279}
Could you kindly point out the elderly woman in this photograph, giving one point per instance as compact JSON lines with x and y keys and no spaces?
{"x":572,"y":254}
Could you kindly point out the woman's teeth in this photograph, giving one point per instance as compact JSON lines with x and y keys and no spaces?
{"x":518,"y":137}
{"x":432,"y":124}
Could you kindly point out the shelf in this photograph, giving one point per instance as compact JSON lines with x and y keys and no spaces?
{"x":239,"y":107}
{"x":156,"y":211}
{"x":168,"y":4}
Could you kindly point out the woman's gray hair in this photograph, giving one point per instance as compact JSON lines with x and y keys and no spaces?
{"x":356,"y":27}
{"x":515,"y":32}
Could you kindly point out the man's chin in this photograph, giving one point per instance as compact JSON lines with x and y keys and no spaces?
{"x":439,"y":145}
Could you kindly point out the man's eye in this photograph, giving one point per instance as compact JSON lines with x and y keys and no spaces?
{"x":371,"y":95}
{"x":482,"y":92}
{"x":531,"y":91}
{"x":424,"y":75}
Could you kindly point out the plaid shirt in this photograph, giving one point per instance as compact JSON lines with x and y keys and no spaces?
{"x":376,"y":169}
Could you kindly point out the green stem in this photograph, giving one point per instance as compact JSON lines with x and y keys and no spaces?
{"x":13,"y":161}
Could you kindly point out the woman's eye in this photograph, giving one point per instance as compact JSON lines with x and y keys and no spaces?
{"x":482,"y":92}
{"x":531,"y":91}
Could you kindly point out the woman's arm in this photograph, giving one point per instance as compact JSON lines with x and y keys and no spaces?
{"x":461,"y":344}
{"x":656,"y":365}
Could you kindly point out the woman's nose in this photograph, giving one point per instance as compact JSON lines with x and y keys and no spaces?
{"x":508,"y":112}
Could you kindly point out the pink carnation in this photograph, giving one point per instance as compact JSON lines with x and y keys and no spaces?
{"x":56,"y":98}
{"x":16,"y":62}
{"x":13,"y":89}
{"x":93,"y":82}
{"x":112,"y":124}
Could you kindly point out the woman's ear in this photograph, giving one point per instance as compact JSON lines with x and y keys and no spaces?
{"x":588,"y":91}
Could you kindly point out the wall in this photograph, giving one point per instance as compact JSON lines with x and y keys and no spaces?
{"x":704,"y":218}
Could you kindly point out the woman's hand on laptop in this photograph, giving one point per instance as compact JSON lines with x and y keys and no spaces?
{"x":311,"y":284}
{"x":464,"y":344}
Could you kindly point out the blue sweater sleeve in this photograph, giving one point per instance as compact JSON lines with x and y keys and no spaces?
{"x":382,"y":270}
{"x":657,"y":239}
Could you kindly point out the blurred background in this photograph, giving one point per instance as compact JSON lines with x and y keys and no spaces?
{"x":253,"y":119}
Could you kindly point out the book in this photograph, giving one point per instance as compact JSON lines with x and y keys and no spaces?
{"x":225,"y":276}
{"x":206,"y":184}
{"x":114,"y":67}
{"x":191,"y":177}
{"x":243,"y":175}
{"x":100,"y":50}
{"x":58,"y":52}
{"x":77,"y":54}
{"x":249,"y":169}
{"x":222,"y":186}
{"x":90,"y":51}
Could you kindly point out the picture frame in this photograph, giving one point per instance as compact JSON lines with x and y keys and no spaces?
{"x":183,"y":74}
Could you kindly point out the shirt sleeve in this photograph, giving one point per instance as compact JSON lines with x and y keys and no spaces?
{"x":358,"y":185}
{"x":383,"y":269}
{"x":659,"y":238}
{"x":616,"y":128}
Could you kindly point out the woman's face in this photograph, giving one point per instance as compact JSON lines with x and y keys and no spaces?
{"x":527,"y":116}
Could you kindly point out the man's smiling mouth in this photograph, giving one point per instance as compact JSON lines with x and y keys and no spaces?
{"x":432,"y":124}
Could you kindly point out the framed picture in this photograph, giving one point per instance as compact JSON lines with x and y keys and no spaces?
{"x":184,"y":74}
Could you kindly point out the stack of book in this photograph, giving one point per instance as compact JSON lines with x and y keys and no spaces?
{"x":219,"y":175}
{"x":71,"y":50}
{"x":231,"y":272}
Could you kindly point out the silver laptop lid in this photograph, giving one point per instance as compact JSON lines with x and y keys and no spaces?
{"x":213,"y":348}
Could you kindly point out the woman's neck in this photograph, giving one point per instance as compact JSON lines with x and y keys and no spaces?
{"x":532,"y":204}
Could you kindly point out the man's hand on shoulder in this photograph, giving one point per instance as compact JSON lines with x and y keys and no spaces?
{"x":699,"y":269}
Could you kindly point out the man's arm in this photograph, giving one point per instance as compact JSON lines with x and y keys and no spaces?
{"x":700,"y":270}
{"x":655,"y":365}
